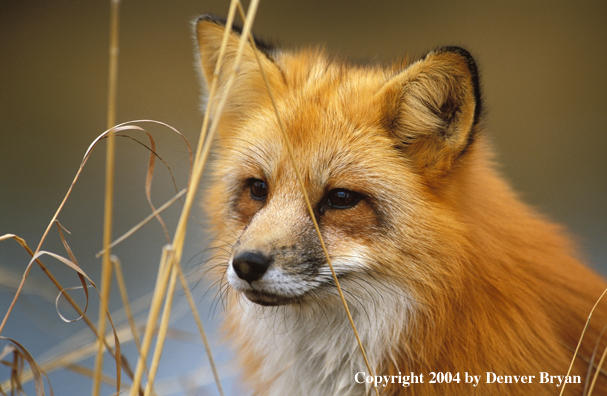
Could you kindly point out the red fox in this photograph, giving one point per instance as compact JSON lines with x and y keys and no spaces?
{"x":455,"y":286}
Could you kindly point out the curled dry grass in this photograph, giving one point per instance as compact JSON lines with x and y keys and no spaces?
{"x":112,"y":346}
{"x":15,"y":354}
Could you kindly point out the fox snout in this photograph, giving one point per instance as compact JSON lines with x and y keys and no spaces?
{"x":251,"y":266}
{"x":277,"y":258}
{"x":282,"y":276}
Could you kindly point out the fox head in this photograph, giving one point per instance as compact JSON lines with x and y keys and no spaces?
{"x":377,"y":148}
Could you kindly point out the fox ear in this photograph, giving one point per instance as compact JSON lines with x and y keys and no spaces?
{"x":433,"y":108}
{"x":249,"y":88}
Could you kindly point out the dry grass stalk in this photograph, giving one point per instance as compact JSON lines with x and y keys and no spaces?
{"x":106,"y":266}
{"x":87,"y":372}
{"x":597,"y":372}
{"x":154,"y":214}
{"x":125,"y":302}
{"x":73,"y":265}
{"x":201,"y":330}
{"x":171,"y":256}
{"x":37,"y":253}
{"x":121,"y":362}
{"x":578,"y":347}
{"x":70,"y":300}
{"x":20,"y":353}
{"x":162,"y":332}
{"x":107,"y":269}
{"x":159,"y":291}
{"x":68,"y":355}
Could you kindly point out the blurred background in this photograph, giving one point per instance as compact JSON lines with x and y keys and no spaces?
{"x":545,"y":88}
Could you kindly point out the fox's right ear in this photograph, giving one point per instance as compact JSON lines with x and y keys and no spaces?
{"x":248,"y":89}
{"x":433,"y":109}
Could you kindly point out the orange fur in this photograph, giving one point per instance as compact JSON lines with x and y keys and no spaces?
{"x":444,"y":269}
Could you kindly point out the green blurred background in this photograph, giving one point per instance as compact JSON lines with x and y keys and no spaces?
{"x":543,"y":67}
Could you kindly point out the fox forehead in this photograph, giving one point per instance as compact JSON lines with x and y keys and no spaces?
{"x":333,"y":120}
{"x":328,"y":152}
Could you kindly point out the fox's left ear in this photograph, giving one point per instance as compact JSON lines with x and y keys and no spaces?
{"x":249,"y":89}
{"x":433,"y":108}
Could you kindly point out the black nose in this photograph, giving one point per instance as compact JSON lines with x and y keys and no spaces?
{"x":251,"y":266}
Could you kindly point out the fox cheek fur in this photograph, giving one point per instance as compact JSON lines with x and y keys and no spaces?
{"x":444,"y":269}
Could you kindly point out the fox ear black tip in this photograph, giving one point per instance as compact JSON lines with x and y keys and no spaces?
{"x":211,"y":18}
{"x":454,"y":50}
{"x":474,"y":73}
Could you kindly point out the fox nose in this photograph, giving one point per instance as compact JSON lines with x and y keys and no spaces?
{"x":251,"y":266}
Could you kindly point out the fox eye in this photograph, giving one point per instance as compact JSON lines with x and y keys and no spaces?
{"x":259,"y":189}
{"x":340,"y":198}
